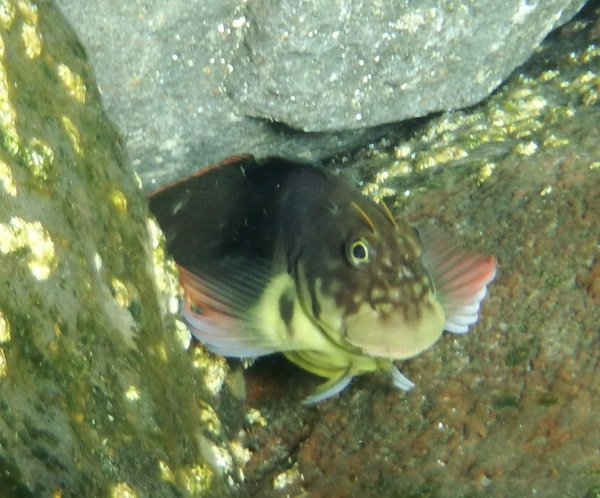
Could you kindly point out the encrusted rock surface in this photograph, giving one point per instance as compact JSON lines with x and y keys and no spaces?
{"x":98,"y":395}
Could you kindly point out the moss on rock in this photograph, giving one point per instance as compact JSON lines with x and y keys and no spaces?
{"x":98,"y":396}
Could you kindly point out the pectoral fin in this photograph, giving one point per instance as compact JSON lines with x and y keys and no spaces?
{"x":460,"y":277}
{"x":400,"y":381}
{"x":335,"y":385}
{"x":330,"y":388}
{"x":243,"y":309}
{"x":219,"y":315}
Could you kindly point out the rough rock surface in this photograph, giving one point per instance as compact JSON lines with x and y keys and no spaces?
{"x":334,"y":65}
{"x":182,"y":78}
{"x":98,"y":396}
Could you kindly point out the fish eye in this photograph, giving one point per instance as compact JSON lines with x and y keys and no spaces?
{"x":358,"y":252}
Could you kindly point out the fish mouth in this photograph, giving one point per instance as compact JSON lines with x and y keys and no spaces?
{"x":396,"y":335}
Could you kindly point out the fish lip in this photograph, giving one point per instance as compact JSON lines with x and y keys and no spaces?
{"x":390,"y":352}
{"x":395,"y":335}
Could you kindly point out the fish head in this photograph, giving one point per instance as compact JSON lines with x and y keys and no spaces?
{"x":364,"y":283}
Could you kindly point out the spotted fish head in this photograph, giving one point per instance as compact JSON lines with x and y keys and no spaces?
{"x":366,"y":285}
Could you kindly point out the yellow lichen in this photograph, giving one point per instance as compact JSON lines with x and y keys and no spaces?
{"x":7,"y":180}
{"x":485,"y":172}
{"x":19,"y":234}
{"x":447,"y":154}
{"x":400,"y":168}
{"x":161,"y":352}
{"x":7,"y":112}
{"x":526,"y":149}
{"x":32,"y":40}
{"x":164,"y":267}
{"x":219,"y":457}
{"x":122,"y":490}
{"x":182,"y":332}
{"x":591,"y":52}
{"x":402,"y":151}
{"x":210,"y":420}
{"x":73,"y":82}
{"x":119,"y":200}
{"x":39,"y":159}
{"x":423,"y":161}
{"x":29,"y":12}
{"x":73,"y":134}
{"x":3,"y":365}
{"x":590,"y":98}
{"x":4,"y":329}
{"x":30,"y":34}
{"x":554,"y":141}
{"x":549,"y":75}
{"x":166,"y":473}
{"x":196,"y":480}
{"x":240,"y":453}
{"x":213,"y":368}
{"x":253,"y":416}
{"x":120,"y":293}
{"x":132,"y":393}
{"x":7,"y":14}
{"x":586,"y":77}
{"x":287,"y":478}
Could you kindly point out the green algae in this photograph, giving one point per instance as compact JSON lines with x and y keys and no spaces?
{"x":592,"y":492}
{"x":99,"y":396}
{"x":517,"y":355}
{"x":505,"y":400}
{"x":423,"y":490}
{"x":548,"y":400}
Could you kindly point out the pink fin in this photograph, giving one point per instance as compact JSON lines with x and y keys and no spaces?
{"x":460,"y":278}
{"x":400,"y":381}
{"x":218,"y":316}
{"x":329,"y":389}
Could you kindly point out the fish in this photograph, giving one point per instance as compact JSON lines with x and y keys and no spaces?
{"x":284,"y":256}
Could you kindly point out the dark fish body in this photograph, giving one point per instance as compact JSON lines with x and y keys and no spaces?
{"x":283,"y":256}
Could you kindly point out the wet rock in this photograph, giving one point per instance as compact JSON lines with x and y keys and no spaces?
{"x":186,"y":82}
{"x":98,"y":396}
{"x":330,"y":66}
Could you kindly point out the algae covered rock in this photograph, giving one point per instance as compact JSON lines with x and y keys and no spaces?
{"x":98,"y":396}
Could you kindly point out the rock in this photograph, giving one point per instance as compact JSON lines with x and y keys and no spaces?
{"x":344,"y":64}
{"x":186,"y":82}
{"x":162,"y":71}
{"x":98,"y":396}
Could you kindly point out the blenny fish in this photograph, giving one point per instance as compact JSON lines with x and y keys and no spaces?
{"x":279,"y":256}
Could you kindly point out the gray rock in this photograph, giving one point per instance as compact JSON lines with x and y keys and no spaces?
{"x":346,"y":64}
{"x":162,"y":69}
{"x":185,"y":81}
{"x":98,"y":396}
